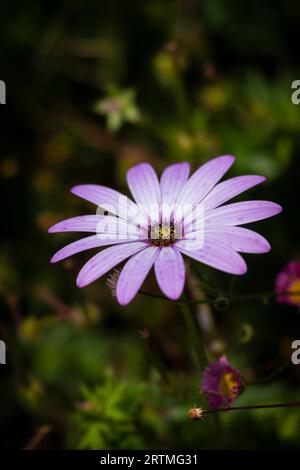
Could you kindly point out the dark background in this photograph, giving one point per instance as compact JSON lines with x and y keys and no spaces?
{"x":187,"y":80}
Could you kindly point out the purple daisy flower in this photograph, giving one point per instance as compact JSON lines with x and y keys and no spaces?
{"x":288,"y":280}
{"x":174,"y":216}
{"x":221,"y":384}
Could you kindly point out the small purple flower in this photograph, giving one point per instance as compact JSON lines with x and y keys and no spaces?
{"x":221,"y":384}
{"x":172,"y":217}
{"x":288,"y":280}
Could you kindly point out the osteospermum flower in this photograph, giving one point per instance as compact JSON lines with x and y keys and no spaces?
{"x":172,"y":217}
{"x":288,"y":284}
{"x":221,"y":384}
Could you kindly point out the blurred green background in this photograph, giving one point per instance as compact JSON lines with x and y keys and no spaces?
{"x":93,"y":88}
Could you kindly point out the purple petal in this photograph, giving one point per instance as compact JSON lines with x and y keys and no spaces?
{"x":226,"y":190}
{"x":242,"y":213}
{"x":134,"y":273}
{"x":191,"y":242}
{"x":83,"y":223}
{"x":144,"y":186}
{"x":238,"y":238}
{"x":107,"y":259}
{"x":217,"y":256}
{"x":110,"y":200}
{"x":120,"y":228}
{"x":172,"y":180}
{"x":94,"y":241}
{"x":170,"y":272}
{"x":204,"y":179}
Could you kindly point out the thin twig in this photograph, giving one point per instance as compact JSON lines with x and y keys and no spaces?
{"x":263,"y":295}
{"x":295,"y":404}
{"x":40,"y":435}
{"x":254,"y":296}
{"x":183,"y":301}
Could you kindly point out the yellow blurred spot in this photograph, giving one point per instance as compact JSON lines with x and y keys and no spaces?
{"x":45,"y":219}
{"x":164,"y":67}
{"x":217,"y":347}
{"x":245,"y":333}
{"x":32,"y":392}
{"x":258,"y":110}
{"x":92,"y":313}
{"x":85,"y":317}
{"x":288,"y":425}
{"x":68,"y":264}
{"x":58,"y":150}
{"x":206,"y":142}
{"x":184,"y":141}
{"x":43,"y":180}
{"x":9,"y":167}
{"x":31,"y":327}
{"x":214,"y":96}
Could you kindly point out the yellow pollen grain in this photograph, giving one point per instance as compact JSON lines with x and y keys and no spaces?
{"x":162,"y":234}
{"x":165,"y":232}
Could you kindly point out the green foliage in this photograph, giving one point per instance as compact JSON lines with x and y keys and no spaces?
{"x":108,"y":416}
{"x":63,"y":355}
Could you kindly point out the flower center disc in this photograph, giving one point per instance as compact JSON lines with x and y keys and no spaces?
{"x":162,"y":235}
{"x":295,"y":288}
{"x":228,"y":385}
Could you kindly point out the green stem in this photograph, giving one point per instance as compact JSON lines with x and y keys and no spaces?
{"x":156,"y":360}
{"x":234,"y":298}
{"x":262,"y":295}
{"x":183,"y":301}
{"x":154,"y":296}
{"x":273,"y":375}
{"x":256,"y":407}
{"x":195,"y":334}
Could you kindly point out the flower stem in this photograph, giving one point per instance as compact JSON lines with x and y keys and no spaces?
{"x":153,"y":354}
{"x":273,"y":375}
{"x":195,"y":334}
{"x":262,"y":295}
{"x":231,"y":298}
{"x":154,"y":296}
{"x":189,"y":312}
{"x":295,"y":404}
{"x":161,"y":297}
